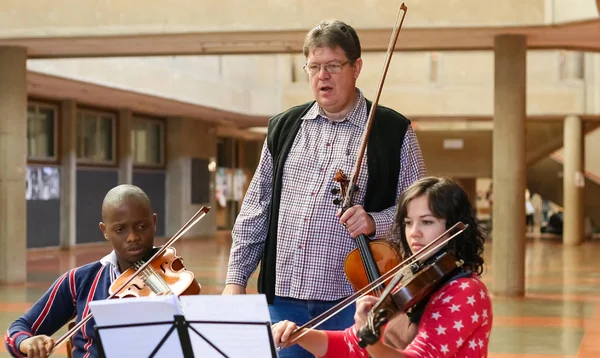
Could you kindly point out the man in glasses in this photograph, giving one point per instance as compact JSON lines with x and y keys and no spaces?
{"x":288,"y":220}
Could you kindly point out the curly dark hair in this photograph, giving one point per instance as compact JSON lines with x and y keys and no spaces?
{"x":449,"y":201}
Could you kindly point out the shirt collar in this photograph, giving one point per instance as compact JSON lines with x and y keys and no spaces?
{"x":355,"y":116}
{"x":110,"y":260}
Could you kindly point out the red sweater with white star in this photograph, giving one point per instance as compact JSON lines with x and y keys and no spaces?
{"x":456,"y":323}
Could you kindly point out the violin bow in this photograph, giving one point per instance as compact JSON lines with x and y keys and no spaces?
{"x":423,"y":254}
{"x":348,"y":198}
{"x":193,"y":221}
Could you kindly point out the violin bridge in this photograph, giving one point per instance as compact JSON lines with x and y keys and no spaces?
{"x":154,"y":281}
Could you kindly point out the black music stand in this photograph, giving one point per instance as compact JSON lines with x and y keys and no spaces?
{"x":182,"y":326}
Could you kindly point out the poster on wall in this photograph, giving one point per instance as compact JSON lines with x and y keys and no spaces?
{"x":200,"y":183}
{"x":42,"y":183}
{"x":222,"y":187}
{"x":239,"y":182}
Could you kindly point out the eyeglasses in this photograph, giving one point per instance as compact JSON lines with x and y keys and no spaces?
{"x":312,"y":69}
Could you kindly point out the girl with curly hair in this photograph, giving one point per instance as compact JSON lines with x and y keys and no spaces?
{"x":453,"y":321}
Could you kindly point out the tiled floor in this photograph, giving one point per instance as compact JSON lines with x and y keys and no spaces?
{"x":558,"y":317}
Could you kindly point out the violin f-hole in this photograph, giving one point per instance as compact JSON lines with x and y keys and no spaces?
{"x":136,"y":286}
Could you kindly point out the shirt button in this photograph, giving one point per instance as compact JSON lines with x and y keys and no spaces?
{"x":299,"y":246}
{"x":312,"y":194}
{"x":328,"y":144}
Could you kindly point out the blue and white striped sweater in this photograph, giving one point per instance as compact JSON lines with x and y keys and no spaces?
{"x":67,"y":298}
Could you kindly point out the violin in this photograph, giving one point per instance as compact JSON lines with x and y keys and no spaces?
{"x":163,"y":273}
{"x":371,"y":258}
{"x":404,"y":293}
{"x":410,"y":281}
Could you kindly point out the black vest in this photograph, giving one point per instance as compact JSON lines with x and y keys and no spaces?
{"x":383,"y":162}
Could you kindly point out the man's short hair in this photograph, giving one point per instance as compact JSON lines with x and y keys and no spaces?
{"x":332,"y":34}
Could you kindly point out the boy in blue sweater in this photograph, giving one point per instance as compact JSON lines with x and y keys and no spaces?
{"x":129,"y":223}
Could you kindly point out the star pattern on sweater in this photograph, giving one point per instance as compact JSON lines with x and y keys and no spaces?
{"x":441,"y":330}
{"x":472,"y":344}
{"x":444,"y":348}
{"x":456,"y":323}
{"x":448,"y":328}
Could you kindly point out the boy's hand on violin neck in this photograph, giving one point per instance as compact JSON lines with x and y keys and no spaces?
{"x":233,"y":289}
{"x":357,"y":221}
{"x":37,"y":346}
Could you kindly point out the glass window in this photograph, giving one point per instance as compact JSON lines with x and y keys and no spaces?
{"x":41,"y":132}
{"x":95,"y":137}
{"x":147,"y":141}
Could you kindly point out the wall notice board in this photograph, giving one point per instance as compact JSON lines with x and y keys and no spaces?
{"x":200,"y":181}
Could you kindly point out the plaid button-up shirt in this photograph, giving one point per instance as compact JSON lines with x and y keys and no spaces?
{"x":311,"y":243}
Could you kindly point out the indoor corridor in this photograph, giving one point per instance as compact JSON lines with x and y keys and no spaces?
{"x":559,"y":317}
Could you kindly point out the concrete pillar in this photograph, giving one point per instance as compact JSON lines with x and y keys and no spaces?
{"x":573,"y":181}
{"x":68,"y":183}
{"x":13,"y":164}
{"x":125,"y":153}
{"x":509,"y":165}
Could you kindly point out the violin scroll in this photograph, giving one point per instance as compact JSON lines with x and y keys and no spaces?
{"x":371,"y":333}
{"x":378,"y":316}
{"x":342,"y":178}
